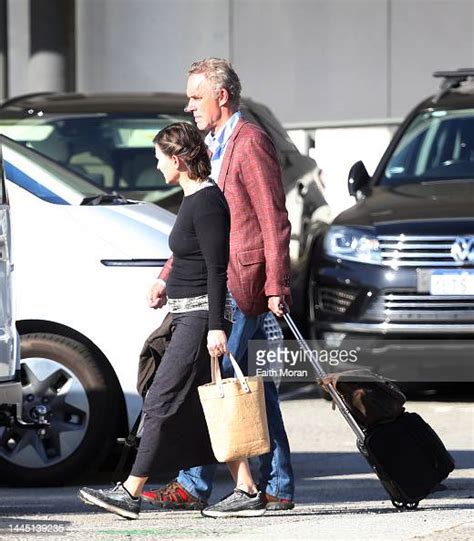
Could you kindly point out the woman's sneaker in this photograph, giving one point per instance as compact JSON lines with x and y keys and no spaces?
{"x":237,"y":504}
{"x":116,"y":500}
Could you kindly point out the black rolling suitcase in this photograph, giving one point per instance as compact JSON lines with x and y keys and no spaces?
{"x":406,"y":454}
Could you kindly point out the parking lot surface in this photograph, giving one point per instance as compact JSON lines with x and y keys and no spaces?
{"x":338,"y":497}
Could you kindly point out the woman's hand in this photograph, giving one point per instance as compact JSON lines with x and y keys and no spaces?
{"x":216,"y":343}
{"x":157,"y":295}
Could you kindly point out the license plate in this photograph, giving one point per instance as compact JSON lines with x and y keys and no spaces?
{"x":451,"y":282}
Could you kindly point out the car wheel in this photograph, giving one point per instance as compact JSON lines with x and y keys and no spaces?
{"x":61,"y":375}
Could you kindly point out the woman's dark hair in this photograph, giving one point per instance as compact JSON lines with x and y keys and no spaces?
{"x":184,"y":140}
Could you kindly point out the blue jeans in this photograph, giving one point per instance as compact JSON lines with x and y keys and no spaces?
{"x":276,"y":472}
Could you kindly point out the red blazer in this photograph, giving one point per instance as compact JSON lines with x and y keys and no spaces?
{"x":250,"y":178}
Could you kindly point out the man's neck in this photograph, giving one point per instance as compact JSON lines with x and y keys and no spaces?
{"x":225,"y":117}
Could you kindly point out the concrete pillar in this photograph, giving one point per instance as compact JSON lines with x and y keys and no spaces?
{"x":40,"y":45}
{"x":51,"y":45}
{"x":18,"y":40}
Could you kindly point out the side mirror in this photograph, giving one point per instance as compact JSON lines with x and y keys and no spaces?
{"x":358,"y":178}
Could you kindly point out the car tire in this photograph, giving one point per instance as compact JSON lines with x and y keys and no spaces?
{"x":62,"y":375}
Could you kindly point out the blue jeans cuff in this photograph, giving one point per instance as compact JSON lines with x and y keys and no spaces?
{"x":189,"y":486}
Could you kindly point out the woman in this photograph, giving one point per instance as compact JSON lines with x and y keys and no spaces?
{"x":174,"y":433}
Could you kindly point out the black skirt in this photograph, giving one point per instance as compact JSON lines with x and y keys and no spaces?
{"x":175,"y":434}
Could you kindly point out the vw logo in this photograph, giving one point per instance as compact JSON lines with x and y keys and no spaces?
{"x":462,"y":249}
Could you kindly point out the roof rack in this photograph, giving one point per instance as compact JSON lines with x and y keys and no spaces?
{"x":13,"y":100}
{"x":452,"y":79}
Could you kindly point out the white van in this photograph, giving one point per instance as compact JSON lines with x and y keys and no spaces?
{"x":84,"y":261}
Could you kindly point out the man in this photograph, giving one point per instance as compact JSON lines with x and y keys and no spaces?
{"x":245,"y":166}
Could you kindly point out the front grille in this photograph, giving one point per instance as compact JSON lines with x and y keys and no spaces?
{"x":336,"y":300}
{"x":418,"y":251}
{"x":409,"y":306}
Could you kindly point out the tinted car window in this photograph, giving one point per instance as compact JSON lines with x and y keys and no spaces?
{"x":437,"y":145}
{"x":115,"y":152}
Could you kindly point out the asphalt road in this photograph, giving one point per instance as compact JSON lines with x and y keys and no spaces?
{"x":338,"y":497}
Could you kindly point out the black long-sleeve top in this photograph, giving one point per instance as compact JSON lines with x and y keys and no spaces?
{"x":199,"y":241}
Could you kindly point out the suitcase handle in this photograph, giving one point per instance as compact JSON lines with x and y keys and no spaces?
{"x":321,"y":374}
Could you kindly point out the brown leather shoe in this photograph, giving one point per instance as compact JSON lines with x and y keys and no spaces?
{"x":278,"y":504}
{"x":173,"y":496}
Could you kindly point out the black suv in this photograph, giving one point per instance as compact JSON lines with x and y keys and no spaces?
{"x":396,"y":271}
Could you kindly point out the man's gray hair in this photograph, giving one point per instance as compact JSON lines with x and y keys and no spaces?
{"x":220,"y":73}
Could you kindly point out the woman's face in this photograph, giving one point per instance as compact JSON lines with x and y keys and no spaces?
{"x":167,"y":165}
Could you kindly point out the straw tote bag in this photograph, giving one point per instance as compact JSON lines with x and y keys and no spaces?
{"x":235,"y":414}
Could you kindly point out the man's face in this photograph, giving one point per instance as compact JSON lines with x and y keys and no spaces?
{"x":203,"y":103}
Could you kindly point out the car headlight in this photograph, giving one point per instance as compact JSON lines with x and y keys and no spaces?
{"x":352,"y":244}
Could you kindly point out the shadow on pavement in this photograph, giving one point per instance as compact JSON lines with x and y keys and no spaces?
{"x":332,"y":482}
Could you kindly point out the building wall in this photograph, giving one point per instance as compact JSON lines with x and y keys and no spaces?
{"x":427,"y":35}
{"x":146,"y":44}
{"x":309,"y":60}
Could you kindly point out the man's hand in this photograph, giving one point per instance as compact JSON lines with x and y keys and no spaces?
{"x":157,"y":295}
{"x":216,"y":343}
{"x":277,"y":305}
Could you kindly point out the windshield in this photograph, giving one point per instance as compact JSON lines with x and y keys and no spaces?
{"x":115,"y":152}
{"x":43,"y":177}
{"x":437,"y":145}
